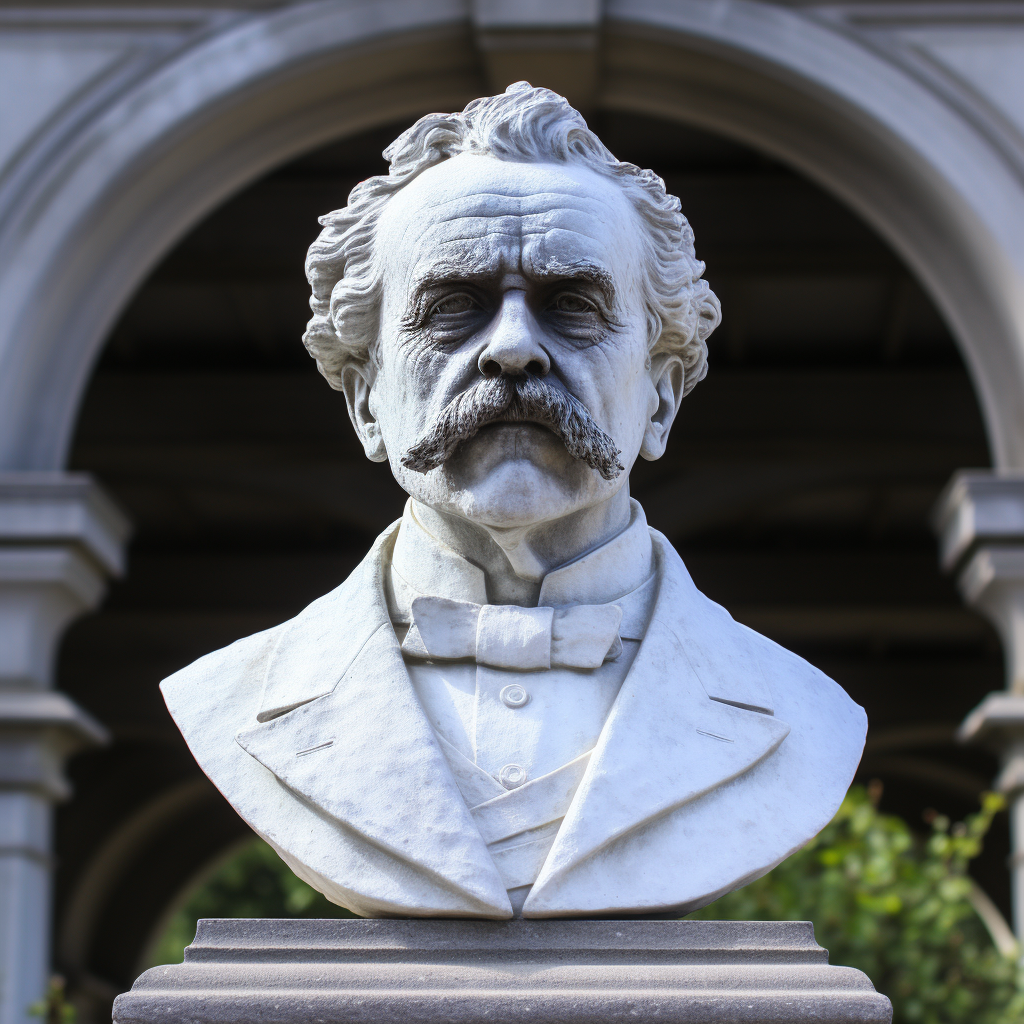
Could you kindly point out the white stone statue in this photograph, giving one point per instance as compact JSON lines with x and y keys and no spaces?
{"x":518,"y":703}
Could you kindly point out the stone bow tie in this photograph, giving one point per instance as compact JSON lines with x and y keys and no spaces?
{"x":510,"y":637}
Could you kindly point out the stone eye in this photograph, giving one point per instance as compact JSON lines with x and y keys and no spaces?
{"x":454,"y":304}
{"x":571,"y":302}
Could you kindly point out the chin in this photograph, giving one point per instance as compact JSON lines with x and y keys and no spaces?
{"x":519,"y":493}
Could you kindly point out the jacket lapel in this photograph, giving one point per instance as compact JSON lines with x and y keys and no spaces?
{"x":681,"y":726}
{"x":349,"y":735}
{"x":318,"y":646}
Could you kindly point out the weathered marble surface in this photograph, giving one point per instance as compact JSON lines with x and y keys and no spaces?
{"x":577,"y":972}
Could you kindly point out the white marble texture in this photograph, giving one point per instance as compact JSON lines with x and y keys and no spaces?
{"x":690,"y":792}
{"x":519,"y":703}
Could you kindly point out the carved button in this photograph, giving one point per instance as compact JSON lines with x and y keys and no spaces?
{"x":514,"y":696}
{"x":512,"y":776}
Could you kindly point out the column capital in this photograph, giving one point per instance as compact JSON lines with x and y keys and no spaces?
{"x":63,"y":509}
{"x":978,"y":507}
{"x":38,"y":730}
{"x":998,"y":722}
{"x":999,"y":717}
{"x":61,"y":538}
{"x":980,"y":521}
{"x":988,"y":569}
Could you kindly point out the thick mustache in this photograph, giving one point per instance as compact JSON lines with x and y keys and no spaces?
{"x":515,"y":399}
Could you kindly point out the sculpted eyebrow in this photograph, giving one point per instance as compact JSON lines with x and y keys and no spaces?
{"x":453,"y":272}
{"x":553,"y":271}
{"x":589,"y":272}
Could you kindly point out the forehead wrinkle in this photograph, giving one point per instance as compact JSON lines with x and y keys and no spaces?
{"x":498,"y":223}
{"x":471,"y":262}
{"x":499,"y":229}
{"x":503,"y":230}
{"x":475,"y":265}
{"x":567,"y":204}
{"x":573,"y":199}
{"x":537,"y":220}
{"x":545,"y":229}
{"x":540,"y":220}
{"x":474,"y":229}
{"x":471,"y":265}
{"x":424,"y":239}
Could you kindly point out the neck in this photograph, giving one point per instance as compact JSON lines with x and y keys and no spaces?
{"x":515,"y":560}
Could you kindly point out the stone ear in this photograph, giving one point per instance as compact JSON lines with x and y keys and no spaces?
{"x":373,"y":444}
{"x":357,"y":386}
{"x":668,"y":376}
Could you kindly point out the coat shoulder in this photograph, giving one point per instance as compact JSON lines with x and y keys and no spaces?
{"x":235,"y":672}
{"x":795,"y":684}
{"x":272,"y":659}
{"x":740,"y":666}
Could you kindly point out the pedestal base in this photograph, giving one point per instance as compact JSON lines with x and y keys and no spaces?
{"x":569,"y":972}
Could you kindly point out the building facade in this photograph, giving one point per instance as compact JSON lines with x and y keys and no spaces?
{"x":855,"y":176}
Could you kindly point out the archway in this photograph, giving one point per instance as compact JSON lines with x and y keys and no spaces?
{"x":144,"y":169}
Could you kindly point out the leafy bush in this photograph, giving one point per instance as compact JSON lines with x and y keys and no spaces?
{"x":898,"y":908}
{"x":255,"y":882}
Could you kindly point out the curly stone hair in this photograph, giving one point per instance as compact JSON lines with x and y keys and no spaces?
{"x":521,"y":124}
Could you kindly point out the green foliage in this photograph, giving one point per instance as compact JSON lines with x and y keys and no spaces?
{"x":255,"y":882}
{"x":54,"y":1007}
{"x":899,"y":909}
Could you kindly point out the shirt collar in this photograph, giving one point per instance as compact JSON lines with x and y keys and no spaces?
{"x":429,"y":566}
{"x":606,"y":573}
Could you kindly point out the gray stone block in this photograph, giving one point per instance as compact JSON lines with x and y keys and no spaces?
{"x":457,"y":972}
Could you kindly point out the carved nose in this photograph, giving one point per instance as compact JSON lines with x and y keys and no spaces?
{"x":514,"y":345}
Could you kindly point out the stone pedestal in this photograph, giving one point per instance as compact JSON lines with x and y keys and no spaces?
{"x":577,"y":972}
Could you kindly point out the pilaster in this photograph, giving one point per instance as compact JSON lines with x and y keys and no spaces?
{"x":61,"y":537}
{"x":980,"y":522}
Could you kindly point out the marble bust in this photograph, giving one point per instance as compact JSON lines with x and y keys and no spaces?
{"x":518,"y":704}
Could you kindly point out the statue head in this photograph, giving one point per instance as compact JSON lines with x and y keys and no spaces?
{"x":512,"y":314}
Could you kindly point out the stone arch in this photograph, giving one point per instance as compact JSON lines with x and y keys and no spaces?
{"x":143,"y":170}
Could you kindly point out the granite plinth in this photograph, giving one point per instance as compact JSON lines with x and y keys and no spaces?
{"x":580,"y":971}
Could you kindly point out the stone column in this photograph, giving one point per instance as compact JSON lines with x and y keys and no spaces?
{"x":60,"y":538}
{"x":980,"y":521}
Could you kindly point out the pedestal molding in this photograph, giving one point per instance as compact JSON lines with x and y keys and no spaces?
{"x":452,"y":971}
